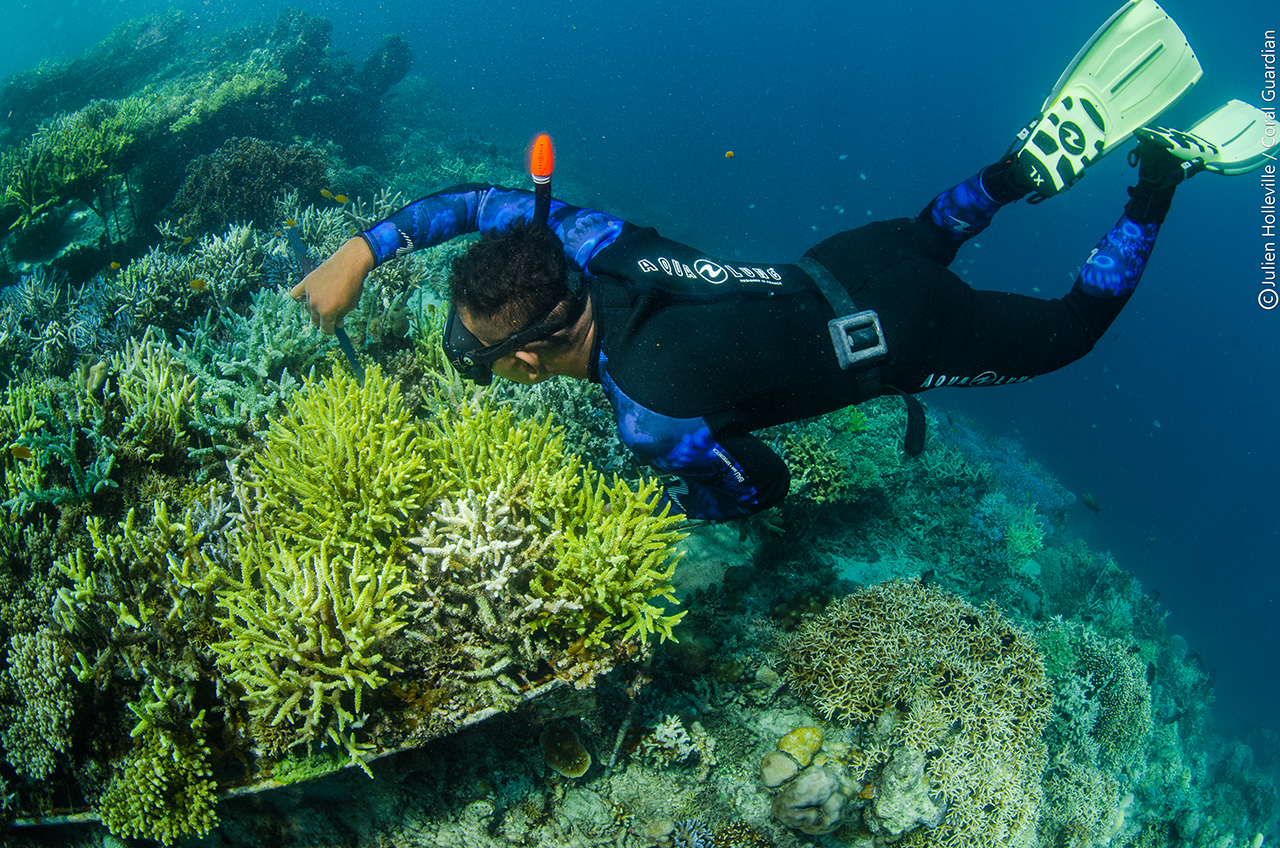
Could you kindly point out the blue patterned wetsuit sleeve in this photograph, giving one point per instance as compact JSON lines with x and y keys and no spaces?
{"x":474,"y":208}
{"x":713,"y":484}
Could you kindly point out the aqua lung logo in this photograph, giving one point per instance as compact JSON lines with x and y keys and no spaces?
{"x":986,"y":378}
{"x":710,"y":271}
{"x":1072,"y":138}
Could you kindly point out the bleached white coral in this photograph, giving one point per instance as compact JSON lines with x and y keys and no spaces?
{"x":667,"y":743}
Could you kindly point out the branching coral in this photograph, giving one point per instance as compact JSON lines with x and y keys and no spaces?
{"x":69,"y":157}
{"x":165,"y":789}
{"x":306,"y":631}
{"x":600,"y":554}
{"x":344,"y":467}
{"x":244,"y":366}
{"x":37,"y":728}
{"x":141,"y":599}
{"x":919,"y":669}
{"x":340,"y":481}
{"x":158,"y":396}
{"x":68,"y":454}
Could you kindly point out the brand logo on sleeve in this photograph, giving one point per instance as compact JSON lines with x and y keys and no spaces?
{"x":710,"y":271}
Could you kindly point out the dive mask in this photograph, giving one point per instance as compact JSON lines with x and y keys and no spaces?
{"x":473,"y":359}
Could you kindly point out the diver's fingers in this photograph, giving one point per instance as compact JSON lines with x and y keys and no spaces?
{"x":326,"y":323}
{"x":299,"y":291}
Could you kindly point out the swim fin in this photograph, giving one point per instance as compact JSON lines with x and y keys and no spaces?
{"x":1229,"y":140}
{"x":1132,"y":69}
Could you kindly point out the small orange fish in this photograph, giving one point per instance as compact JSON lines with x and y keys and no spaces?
{"x":22,"y":452}
{"x":115,"y":266}
{"x":340,"y":198}
{"x":198,"y":285}
{"x":728,"y":154}
{"x":291,"y":223}
{"x":324,"y":192}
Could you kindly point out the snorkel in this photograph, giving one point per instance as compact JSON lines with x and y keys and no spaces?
{"x":541,"y":163}
{"x":469,"y":356}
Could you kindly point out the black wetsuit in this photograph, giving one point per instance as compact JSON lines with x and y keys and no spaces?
{"x":695,"y":352}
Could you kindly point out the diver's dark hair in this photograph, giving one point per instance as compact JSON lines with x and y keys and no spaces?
{"x":516,"y":274}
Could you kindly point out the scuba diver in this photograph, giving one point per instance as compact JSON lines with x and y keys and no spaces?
{"x":696,"y":352}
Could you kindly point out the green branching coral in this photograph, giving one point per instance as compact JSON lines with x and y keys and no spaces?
{"x":165,"y":789}
{"x":307,"y":630}
{"x":603,"y":556}
{"x":244,"y":366}
{"x":158,"y":396}
{"x":66,"y":452}
{"x":69,"y":157}
{"x":341,"y":480}
{"x":610,"y":561}
{"x":141,"y":597}
{"x":344,"y":467}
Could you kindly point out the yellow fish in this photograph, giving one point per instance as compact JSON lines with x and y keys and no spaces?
{"x":291,"y":223}
{"x":324,"y":192}
{"x":186,"y":241}
{"x":198,"y":285}
{"x":22,"y":452}
{"x":115,"y":266}
{"x":340,"y":198}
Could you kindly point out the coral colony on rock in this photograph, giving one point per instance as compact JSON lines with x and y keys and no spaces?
{"x":227,"y":567}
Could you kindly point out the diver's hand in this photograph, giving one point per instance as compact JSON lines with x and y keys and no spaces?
{"x":333,"y":289}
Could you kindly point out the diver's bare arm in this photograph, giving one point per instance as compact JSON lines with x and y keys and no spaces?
{"x":333,"y":289}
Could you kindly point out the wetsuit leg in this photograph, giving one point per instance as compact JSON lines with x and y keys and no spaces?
{"x":941,"y":332}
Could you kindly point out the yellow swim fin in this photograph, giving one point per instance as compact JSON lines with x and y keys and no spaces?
{"x":1132,"y":69}
{"x":1229,"y":140}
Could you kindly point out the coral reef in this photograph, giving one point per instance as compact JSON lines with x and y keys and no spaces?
{"x":222,"y":564}
{"x":237,"y":183}
{"x":924,"y":673}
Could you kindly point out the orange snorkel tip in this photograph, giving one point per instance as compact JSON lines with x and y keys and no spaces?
{"x":542,"y":161}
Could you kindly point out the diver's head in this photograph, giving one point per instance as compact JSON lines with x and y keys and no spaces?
{"x":512,"y":290}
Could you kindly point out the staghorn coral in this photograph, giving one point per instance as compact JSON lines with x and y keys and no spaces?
{"x":919,"y":670}
{"x":69,"y":456}
{"x":244,"y":366}
{"x":70,"y":157}
{"x":520,"y":565}
{"x":344,"y":467}
{"x":158,"y":396}
{"x":306,"y":631}
{"x":602,"y":555}
{"x":140,"y":597}
{"x":339,"y":482}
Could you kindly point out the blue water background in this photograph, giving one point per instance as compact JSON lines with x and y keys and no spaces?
{"x":1171,"y":423}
